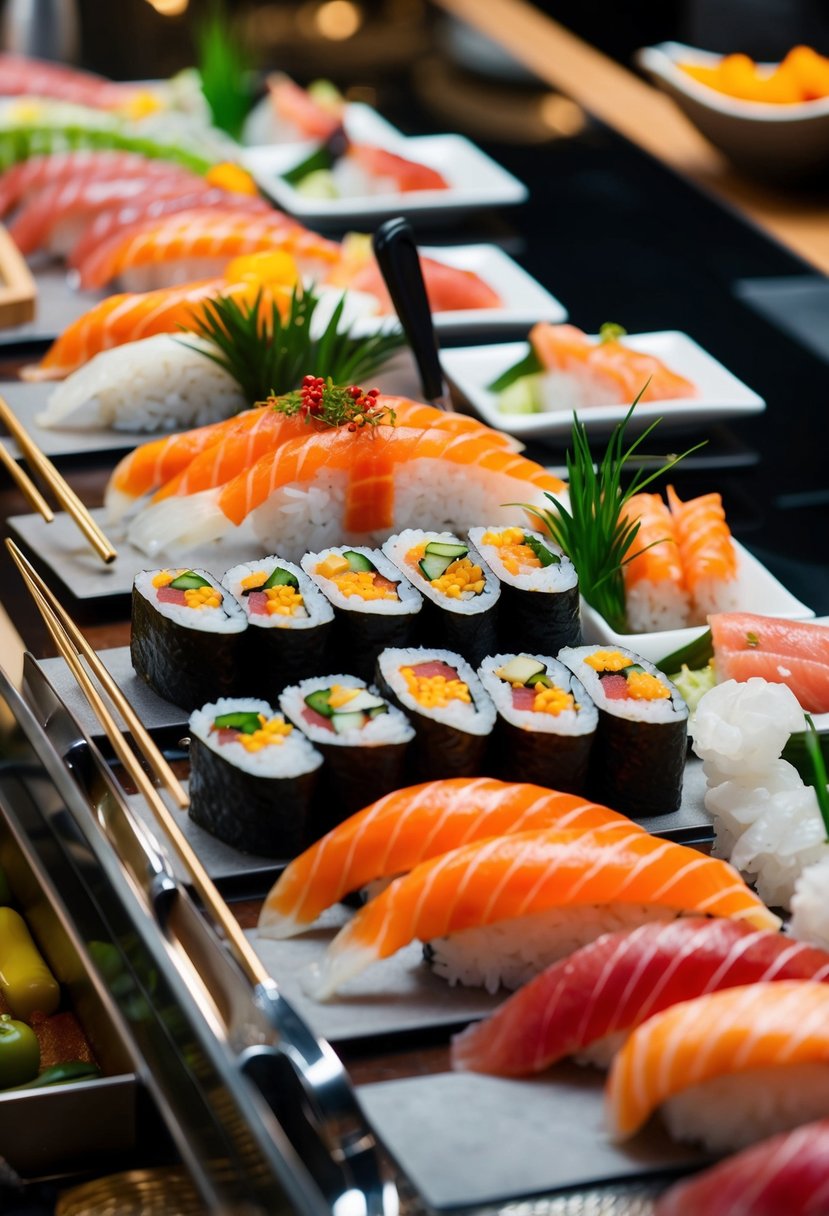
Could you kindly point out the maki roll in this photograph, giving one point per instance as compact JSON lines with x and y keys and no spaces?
{"x":290,"y":623}
{"x":539,"y":588}
{"x":461,"y":599}
{"x":362,"y":738}
{"x":187,"y":635}
{"x":252,"y":777}
{"x":452,"y":715}
{"x":373,"y":606}
{"x":638,"y":758}
{"x":546,"y":721}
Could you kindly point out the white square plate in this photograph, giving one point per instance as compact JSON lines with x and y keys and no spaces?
{"x":757,"y":591}
{"x":475,"y":179}
{"x":471,"y":369}
{"x":523,"y":300}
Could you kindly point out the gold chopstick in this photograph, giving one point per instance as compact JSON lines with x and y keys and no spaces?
{"x":63,"y":492}
{"x":25,"y":483}
{"x":245,"y":955}
{"x":143,"y":739}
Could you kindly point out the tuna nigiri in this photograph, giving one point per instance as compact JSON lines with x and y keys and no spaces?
{"x":580,"y":372}
{"x":655,"y":594}
{"x":35,"y":174}
{"x":55,"y":216}
{"x":728,"y":1068}
{"x":362,"y":471}
{"x":591,"y":1001}
{"x":785,"y":1176}
{"x":795,"y":653}
{"x":366,"y":169}
{"x":409,"y":826}
{"x":22,"y":76}
{"x":523,"y":901}
{"x":448,"y":288}
{"x":709,"y":559}
{"x":196,"y":244}
{"x":314,"y":113}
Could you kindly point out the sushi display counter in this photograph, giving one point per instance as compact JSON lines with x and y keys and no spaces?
{"x":262,"y":1099}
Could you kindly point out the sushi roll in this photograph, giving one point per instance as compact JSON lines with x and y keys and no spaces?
{"x":187,"y":635}
{"x":362,"y":738}
{"x":373,"y":606}
{"x":290,"y":623}
{"x":546,"y":721}
{"x":461,"y":598}
{"x":499,"y":910}
{"x":539,"y":588}
{"x":452,"y":715}
{"x":638,"y":758}
{"x":728,"y":1068}
{"x":252,"y":777}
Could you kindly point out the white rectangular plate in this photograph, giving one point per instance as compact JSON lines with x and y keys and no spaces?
{"x":722,"y":395}
{"x":757,"y":591}
{"x":523,"y":300}
{"x":475,"y":179}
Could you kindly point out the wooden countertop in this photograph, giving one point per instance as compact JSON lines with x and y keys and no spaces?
{"x":647,"y":117}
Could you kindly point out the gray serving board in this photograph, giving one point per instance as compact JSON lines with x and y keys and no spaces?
{"x":466,"y":1141}
{"x":56,"y":307}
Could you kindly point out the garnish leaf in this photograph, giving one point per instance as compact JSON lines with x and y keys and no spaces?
{"x":268,"y":354}
{"x":530,"y":365}
{"x":817,"y":777}
{"x":225,"y":67}
{"x":593,"y":531}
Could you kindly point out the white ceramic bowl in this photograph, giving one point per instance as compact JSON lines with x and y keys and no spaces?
{"x":770,"y":140}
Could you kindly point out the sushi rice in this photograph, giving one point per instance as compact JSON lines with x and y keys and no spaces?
{"x":292,"y":757}
{"x":408,"y":599}
{"x":468,"y":603}
{"x":316,"y":610}
{"x":159,"y":383}
{"x":389,"y":727}
{"x":475,"y":719}
{"x":581,"y":720}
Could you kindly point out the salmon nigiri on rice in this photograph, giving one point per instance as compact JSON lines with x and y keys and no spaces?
{"x":498,"y":911}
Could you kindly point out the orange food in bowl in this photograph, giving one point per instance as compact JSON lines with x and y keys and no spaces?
{"x":802,"y":76}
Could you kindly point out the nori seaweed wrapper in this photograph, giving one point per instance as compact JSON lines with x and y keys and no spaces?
{"x":561,"y":762}
{"x":637,"y":767}
{"x":353,"y":777}
{"x":437,"y":751}
{"x":540,"y":620}
{"x":471,"y":635}
{"x":187,"y":667}
{"x":263,"y":815}
{"x":277,"y":657}
{"x":359,"y":637}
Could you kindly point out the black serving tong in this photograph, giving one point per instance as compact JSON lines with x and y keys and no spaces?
{"x":396,"y":252}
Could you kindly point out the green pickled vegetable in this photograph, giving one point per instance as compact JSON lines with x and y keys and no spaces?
{"x":542,"y":552}
{"x":693,"y":684}
{"x":19,"y":1052}
{"x":280,"y":578}
{"x":62,"y":1074}
{"x":245,"y":721}
{"x":189,"y":581}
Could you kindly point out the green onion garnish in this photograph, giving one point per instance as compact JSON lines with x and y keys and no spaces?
{"x":818,"y":778}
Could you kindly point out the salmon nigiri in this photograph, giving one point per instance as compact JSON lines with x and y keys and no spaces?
{"x":788,"y":1174}
{"x":364,"y":469}
{"x":409,"y":826}
{"x":728,"y":1068}
{"x":517,"y":903}
{"x":402,"y":175}
{"x":196,"y":244}
{"x":590,"y":1002}
{"x":448,"y":288}
{"x":706,"y":548}
{"x":35,"y":174}
{"x":23,"y":76}
{"x":655,"y":594}
{"x":607,"y":371}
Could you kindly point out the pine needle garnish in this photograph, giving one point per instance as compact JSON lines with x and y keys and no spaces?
{"x":593,"y":531}
{"x":225,"y":68}
{"x":268,"y":354}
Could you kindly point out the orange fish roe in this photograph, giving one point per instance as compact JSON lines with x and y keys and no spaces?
{"x":435,"y":692}
{"x":514,"y":554}
{"x":642,"y":686}
{"x":285,"y":601}
{"x":367,"y":584}
{"x":203,"y":597}
{"x":553,"y":701}
{"x":462,"y":578}
{"x":608,"y":660}
{"x":270,"y":733}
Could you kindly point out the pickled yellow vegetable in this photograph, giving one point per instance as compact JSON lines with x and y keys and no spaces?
{"x":25,"y":981}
